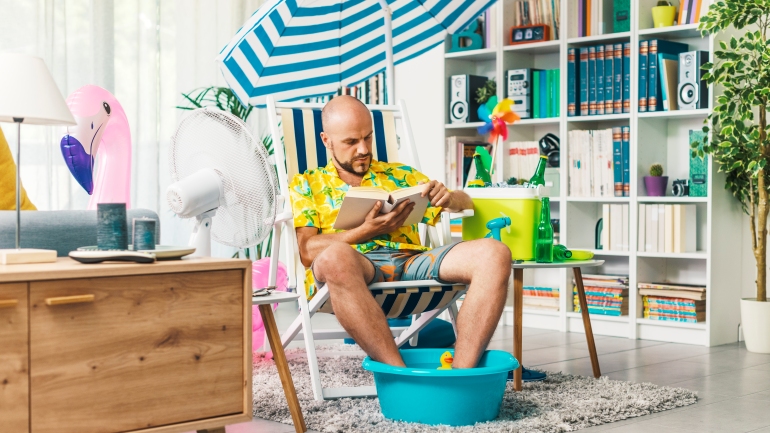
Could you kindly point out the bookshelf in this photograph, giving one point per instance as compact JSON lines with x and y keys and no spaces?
{"x":655,"y":137}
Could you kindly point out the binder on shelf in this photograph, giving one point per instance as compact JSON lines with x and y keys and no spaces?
{"x":698,"y":167}
{"x":654,"y":102}
{"x":572,"y":80}
{"x":535,"y":94}
{"x":684,"y":223}
{"x":543,"y":93}
{"x":609,"y":78}
{"x":591,"y":81}
{"x":557,"y":92}
{"x":661,"y":228}
{"x":626,"y":151}
{"x":651,"y":229}
{"x":616,"y":227}
{"x":617,"y":91}
{"x":626,"y":242}
{"x":606,"y":227}
{"x":668,"y":229}
{"x":600,"y":79}
{"x":621,"y":16}
{"x":549,"y":97}
{"x":643,"y":47}
{"x":641,"y":226}
{"x":617,"y":160}
{"x":627,"y":77}
{"x":583,"y":81}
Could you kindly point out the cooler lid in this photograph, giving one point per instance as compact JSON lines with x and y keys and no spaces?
{"x":502,"y":193}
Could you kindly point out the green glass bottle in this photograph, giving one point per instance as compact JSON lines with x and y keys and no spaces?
{"x":544,"y":241}
{"x":561,"y":253}
{"x":481,"y":171}
{"x":539,"y":177}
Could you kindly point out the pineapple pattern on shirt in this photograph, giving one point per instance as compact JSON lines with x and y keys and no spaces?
{"x":316,"y":198}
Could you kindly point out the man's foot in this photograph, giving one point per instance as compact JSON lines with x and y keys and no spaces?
{"x":528,"y":375}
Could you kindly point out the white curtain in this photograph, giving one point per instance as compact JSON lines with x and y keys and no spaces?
{"x":146,"y":52}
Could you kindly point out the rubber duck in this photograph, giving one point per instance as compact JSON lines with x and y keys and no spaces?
{"x":446,"y":361}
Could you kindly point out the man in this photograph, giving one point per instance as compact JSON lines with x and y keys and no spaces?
{"x":382,"y":248}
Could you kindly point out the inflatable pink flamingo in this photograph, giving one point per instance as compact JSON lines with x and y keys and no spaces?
{"x":101,"y":132}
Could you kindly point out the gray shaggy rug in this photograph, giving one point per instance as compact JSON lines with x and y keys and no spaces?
{"x":562,"y":403}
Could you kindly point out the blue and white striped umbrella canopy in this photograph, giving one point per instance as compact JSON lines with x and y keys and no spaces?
{"x":294,"y":49}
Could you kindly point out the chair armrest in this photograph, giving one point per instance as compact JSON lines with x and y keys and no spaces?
{"x":460,"y":215}
{"x":283,"y":217}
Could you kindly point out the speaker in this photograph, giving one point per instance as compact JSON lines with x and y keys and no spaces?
{"x":692,"y":91}
{"x":463,"y":107}
{"x":520,"y":91}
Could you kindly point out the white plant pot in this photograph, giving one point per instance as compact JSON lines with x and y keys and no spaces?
{"x":755,"y":322}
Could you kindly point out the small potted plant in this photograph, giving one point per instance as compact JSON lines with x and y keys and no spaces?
{"x":656,"y":183}
{"x":663,"y":14}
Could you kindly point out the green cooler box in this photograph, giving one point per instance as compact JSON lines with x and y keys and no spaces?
{"x":521,"y":205}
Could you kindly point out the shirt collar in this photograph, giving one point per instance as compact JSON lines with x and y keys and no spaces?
{"x":374,"y":167}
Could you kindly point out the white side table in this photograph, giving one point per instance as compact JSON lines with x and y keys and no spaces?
{"x":518,"y":308}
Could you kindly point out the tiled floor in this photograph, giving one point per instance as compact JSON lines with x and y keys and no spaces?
{"x":733,"y":384}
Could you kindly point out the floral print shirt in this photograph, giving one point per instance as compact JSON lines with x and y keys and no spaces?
{"x":316,"y":198}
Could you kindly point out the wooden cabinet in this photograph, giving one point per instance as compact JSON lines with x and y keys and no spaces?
{"x":143,"y":352}
{"x":14,"y":358}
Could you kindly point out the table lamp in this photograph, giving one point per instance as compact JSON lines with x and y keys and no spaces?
{"x":28,"y":94}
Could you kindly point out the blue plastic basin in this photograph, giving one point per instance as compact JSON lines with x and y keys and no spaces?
{"x":421,"y":393}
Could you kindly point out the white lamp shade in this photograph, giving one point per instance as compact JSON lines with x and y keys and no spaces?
{"x":28,"y":91}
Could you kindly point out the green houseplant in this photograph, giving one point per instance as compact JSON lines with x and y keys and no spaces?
{"x":739,"y":143}
{"x":656,"y":183}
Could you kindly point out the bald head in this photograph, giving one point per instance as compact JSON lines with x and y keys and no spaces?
{"x":347,"y":133}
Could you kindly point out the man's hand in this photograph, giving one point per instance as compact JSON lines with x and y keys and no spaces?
{"x":378,"y":224}
{"x":438,"y":194}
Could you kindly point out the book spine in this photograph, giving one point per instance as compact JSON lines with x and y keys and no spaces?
{"x":591,"y":80}
{"x":543,"y":94}
{"x":581,"y":13}
{"x":600,"y":79}
{"x":549,"y":93}
{"x":625,"y":149}
{"x":617,"y":161}
{"x":571,"y":82}
{"x":652,"y":77}
{"x":696,"y":17}
{"x":662,"y":74}
{"x":557,"y":92}
{"x":617,"y":92}
{"x":627,"y":77}
{"x":535,"y":94}
{"x":609,"y":61}
{"x":643,"y":50}
{"x":583,"y":75}
{"x":693,"y":18}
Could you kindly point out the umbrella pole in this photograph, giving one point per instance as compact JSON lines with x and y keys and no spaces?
{"x":389,"y":69}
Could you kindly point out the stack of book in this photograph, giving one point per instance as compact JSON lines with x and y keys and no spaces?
{"x":532,"y":12}
{"x":371,"y":91}
{"x":599,"y":162}
{"x":459,"y":159}
{"x":541,"y":298}
{"x":690,"y":11}
{"x":605,"y":294}
{"x":545,"y":93}
{"x":659,"y":74}
{"x":667,"y":228}
{"x":615,"y":227}
{"x":673,"y":302}
{"x":523,"y":157}
{"x":599,"y":80}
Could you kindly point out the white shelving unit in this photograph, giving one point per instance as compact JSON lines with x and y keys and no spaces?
{"x":655,"y":137}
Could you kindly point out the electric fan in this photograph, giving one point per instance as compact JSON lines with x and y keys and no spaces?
{"x":223,"y":178}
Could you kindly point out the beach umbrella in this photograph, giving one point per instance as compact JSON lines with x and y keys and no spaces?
{"x":296,"y":49}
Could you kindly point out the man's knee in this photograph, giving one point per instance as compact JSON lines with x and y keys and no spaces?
{"x":495,"y":251}
{"x":337,"y":261}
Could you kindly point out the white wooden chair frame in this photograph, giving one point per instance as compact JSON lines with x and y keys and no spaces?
{"x":302,"y":327}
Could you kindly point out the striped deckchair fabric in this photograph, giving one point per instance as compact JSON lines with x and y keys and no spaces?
{"x":305,"y":150}
{"x":402,"y":302}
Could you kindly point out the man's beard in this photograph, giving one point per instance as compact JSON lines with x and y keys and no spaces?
{"x":348,"y":165}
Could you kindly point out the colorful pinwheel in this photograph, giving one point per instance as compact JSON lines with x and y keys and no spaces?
{"x":496,"y":116}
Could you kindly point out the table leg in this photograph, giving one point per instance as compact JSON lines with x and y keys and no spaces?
{"x":587,"y":322}
{"x":213,"y":430}
{"x":266,"y":310}
{"x":518,"y":313}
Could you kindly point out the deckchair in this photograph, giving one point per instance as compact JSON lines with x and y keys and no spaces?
{"x":296,"y":129}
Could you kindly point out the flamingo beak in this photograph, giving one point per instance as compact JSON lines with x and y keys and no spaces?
{"x":81,"y":143}
{"x":80,"y":163}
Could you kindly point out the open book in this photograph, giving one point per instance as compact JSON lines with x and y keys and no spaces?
{"x":359,"y":200}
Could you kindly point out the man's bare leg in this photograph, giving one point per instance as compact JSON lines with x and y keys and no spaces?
{"x":485,"y":264}
{"x":346,"y":273}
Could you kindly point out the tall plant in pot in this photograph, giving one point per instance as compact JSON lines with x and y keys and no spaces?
{"x":739,"y":143}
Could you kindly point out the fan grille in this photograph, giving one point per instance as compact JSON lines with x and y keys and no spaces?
{"x":215,"y":139}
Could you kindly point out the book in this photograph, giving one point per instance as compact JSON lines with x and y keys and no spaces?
{"x":669,"y":79}
{"x":672,"y":286}
{"x":684,"y":294}
{"x":627,"y":77}
{"x":626,"y":151}
{"x":651,"y":230}
{"x":616,"y":227}
{"x":359,"y":200}
{"x":536,"y":96}
{"x":617,"y":159}
{"x":572,"y":80}
{"x":621,"y":16}
{"x":617,"y":69}
{"x":661,"y":228}
{"x":591,"y":80}
{"x":557,"y":92}
{"x":684,"y":6}
{"x":600,"y":79}
{"x":606,"y":229}
{"x":684,"y":221}
{"x":643,"y":50}
{"x":641,"y":223}
{"x":609,"y":78}
{"x":543,"y":94}
{"x":583,"y":74}
{"x":550,"y":97}
{"x":668,"y":229}
{"x":698,"y":167}
{"x":656,"y":46}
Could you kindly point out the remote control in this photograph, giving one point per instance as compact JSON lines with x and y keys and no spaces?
{"x":111,"y":256}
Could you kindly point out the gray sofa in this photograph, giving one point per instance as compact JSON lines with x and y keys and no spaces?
{"x":63,"y":231}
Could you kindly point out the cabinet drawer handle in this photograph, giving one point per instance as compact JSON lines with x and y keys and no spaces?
{"x":76,"y":299}
{"x":8,"y":303}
